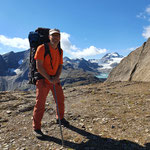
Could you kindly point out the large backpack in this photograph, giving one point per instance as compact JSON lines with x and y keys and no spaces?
{"x":36,"y":38}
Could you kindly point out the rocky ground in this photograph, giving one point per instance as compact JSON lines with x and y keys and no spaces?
{"x":103,"y":116}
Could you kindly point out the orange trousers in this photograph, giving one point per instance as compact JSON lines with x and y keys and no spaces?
{"x":42,"y":90}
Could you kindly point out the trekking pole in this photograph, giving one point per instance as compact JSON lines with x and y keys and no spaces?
{"x":62,"y":139}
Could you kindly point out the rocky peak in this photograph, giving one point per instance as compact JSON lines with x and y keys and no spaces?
{"x":66,"y":59}
{"x":134,"y":67}
{"x":112,"y":55}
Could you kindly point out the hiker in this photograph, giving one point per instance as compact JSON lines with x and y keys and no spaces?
{"x":50,"y":69}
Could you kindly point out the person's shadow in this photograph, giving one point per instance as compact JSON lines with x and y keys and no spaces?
{"x":96,"y":142}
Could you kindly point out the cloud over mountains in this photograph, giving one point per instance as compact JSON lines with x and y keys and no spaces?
{"x":66,"y":44}
{"x":15,"y":42}
{"x":75,"y":51}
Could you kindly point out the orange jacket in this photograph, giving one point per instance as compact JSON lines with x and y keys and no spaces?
{"x":57,"y":59}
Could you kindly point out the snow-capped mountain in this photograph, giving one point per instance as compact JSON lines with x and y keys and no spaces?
{"x":108,"y":61}
{"x":80,"y":64}
{"x":111,"y":58}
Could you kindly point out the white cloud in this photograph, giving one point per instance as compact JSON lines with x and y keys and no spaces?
{"x":145,"y":14}
{"x":14,"y":42}
{"x":141,"y":15}
{"x":76,"y":52}
{"x":91,"y":51}
{"x":132,"y":48}
{"x":148,"y":10}
{"x":66,"y":45}
{"x":146,"y":32}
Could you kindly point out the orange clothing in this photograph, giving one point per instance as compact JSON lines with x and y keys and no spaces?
{"x":42,"y":90}
{"x":57,"y":59}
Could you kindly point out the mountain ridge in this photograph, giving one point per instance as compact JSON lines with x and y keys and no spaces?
{"x":14,"y":71}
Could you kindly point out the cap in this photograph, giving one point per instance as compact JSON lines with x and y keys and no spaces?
{"x":52,"y":31}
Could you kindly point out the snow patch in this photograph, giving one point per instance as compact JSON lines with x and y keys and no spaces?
{"x":20,"y":61}
{"x":110,"y":62}
{"x":18,"y":71}
{"x":115,"y":60}
{"x":12,"y":70}
{"x":94,"y":60}
{"x":69,"y":62}
{"x":106,"y":66}
{"x":114,"y":54}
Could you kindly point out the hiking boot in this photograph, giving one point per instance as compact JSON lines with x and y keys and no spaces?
{"x":64,"y":122}
{"x":38,"y":133}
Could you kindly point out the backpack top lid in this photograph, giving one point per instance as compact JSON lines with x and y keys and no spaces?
{"x":40,"y":36}
{"x":43,"y":31}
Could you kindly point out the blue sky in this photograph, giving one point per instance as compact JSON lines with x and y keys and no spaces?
{"x":89,"y":28}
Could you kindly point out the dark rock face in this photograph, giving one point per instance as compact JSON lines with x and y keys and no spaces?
{"x":3,"y":67}
{"x":11,"y":60}
{"x":3,"y":84}
{"x":134,"y":67}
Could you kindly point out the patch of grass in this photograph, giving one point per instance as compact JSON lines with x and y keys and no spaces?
{"x":83,"y":101}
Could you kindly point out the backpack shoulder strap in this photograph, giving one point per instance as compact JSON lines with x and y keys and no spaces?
{"x":59,"y":48}
{"x":47,"y":51}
